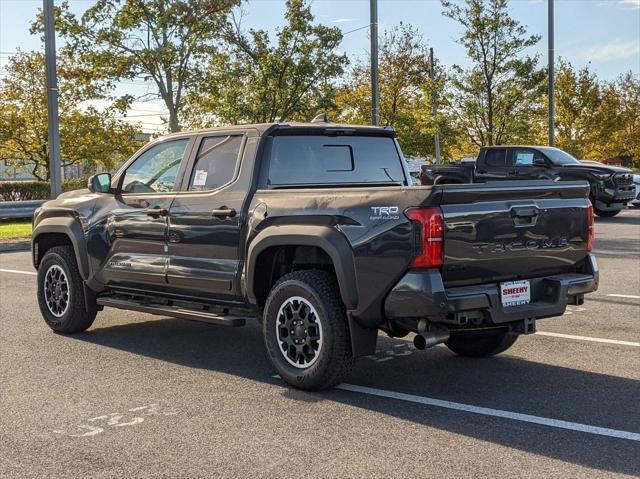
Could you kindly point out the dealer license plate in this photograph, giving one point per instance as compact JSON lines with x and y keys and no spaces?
{"x":514,"y":293}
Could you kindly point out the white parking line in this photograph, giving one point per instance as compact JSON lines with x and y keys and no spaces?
{"x":588,"y":338}
{"x":629,"y":296}
{"x":544,"y":421}
{"x":17,"y":271}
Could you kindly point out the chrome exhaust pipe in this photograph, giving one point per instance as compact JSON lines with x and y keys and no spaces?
{"x":429,"y":339}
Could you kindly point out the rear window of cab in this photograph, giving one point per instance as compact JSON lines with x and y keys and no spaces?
{"x":307,"y":161}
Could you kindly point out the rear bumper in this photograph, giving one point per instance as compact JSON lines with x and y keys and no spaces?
{"x":421,"y":294}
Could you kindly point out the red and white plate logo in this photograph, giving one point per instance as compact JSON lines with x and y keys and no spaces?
{"x":515,"y":293}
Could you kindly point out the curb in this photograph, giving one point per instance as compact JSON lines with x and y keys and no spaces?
{"x":17,"y":246}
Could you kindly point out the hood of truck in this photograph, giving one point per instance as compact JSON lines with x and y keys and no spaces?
{"x":590,"y":168}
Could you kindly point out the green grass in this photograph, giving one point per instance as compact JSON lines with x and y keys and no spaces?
{"x":21,"y":229}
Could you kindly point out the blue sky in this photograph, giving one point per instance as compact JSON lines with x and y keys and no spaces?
{"x":605,"y":33}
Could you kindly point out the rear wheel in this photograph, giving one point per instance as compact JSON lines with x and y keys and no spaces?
{"x":305,"y":330}
{"x":60,"y":292}
{"x":481,"y":344}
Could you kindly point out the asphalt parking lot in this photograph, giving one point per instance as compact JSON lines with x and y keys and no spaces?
{"x":141,"y":396}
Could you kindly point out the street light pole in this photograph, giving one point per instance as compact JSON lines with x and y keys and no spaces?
{"x":552,"y":136}
{"x":432,"y":75}
{"x":375,"y":99}
{"x":52,"y":98}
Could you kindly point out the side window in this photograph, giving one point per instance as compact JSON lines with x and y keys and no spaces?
{"x":155,"y":170}
{"x":496,"y":157}
{"x":522,"y":157}
{"x":215,"y":163}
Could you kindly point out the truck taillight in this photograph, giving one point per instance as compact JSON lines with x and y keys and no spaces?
{"x":431,"y":224}
{"x":591,"y":232}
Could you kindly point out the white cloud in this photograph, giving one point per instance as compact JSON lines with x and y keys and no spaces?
{"x":614,"y":50}
{"x":342,"y":20}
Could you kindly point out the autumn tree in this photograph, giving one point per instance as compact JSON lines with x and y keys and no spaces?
{"x":596,"y":119}
{"x":88,"y":136}
{"x":259,"y":80}
{"x":407,"y":93}
{"x":164,"y":41}
{"x":494,"y":98}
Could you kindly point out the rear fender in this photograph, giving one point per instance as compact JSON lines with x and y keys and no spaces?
{"x":337,"y":247}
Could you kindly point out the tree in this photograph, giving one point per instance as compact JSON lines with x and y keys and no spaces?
{"x":161,"y":40}
{"x":627,"y":137}
{"x":597,"y":120}
{"x":258,"y":81}
{"x":86,"y":134}
{"x":494,"y":99}
{"x":406,"y":93}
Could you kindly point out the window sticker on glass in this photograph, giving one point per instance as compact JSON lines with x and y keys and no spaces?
{"x":200,"y":178}
{"x":524,"y":158}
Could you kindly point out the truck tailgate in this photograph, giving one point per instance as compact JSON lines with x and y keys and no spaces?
{"x":511,"y":230}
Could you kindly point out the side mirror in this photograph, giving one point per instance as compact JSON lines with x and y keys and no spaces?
{"x":100,"y":183}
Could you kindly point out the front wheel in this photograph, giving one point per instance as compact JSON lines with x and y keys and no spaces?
{"x":481,"y":344}
{"x":305,"y":330}
{"x":60,"y":292}
{"x":605,"y":214}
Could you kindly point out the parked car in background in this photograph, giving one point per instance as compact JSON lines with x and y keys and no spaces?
{"x":611,"y":186}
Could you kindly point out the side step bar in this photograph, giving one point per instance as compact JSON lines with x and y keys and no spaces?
{"x":172,"y":311}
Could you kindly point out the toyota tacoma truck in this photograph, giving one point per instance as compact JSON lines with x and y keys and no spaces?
{"x":315,"y":230}
{"x":611,"y":187}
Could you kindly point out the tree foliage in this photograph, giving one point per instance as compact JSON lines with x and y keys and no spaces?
{"x":165,"y":41}
{"x":594,"y":119}
{"x":494,"y":97}
{"x":259,"y":80}
{"x":406,"y":93}
{"x":86,"y":135}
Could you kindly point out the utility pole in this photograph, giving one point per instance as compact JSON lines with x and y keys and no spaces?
{"x":432,"y":75}
{"x":552,"y":126}
{"x":375,"y":94}
{"x":52,"y":98}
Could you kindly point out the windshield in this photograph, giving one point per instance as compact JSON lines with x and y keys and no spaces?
{"x":559,"y":157}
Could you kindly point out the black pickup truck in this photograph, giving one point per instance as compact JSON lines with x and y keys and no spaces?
{"x":611,"y":187}
{"x":315,"y":230}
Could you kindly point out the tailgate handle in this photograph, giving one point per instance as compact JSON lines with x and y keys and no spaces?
{"x":524,"y":216}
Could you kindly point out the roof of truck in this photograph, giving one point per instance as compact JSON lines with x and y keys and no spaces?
{"x":270,"y":128}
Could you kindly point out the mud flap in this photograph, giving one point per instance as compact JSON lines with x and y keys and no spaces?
{"x":363,"y":340}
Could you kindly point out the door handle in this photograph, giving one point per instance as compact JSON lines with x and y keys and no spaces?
{"x":157,"y":211}
{"x":223,"y":212}
{"x":512,"y":173}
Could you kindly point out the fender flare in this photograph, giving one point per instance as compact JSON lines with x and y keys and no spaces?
{"x":72,"y":229}
{"x":328,"y":239}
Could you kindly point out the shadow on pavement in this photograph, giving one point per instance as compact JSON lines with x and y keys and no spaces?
{"x":620,"y":248}
{"x":505,"y":382}
{"x":620,"y":219}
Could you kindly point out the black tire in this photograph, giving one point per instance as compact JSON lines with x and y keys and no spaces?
{"x":72,"y":318}
{"x":605,"y":214}
{"x":481,"y":344}
{"x":332,"y":361}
